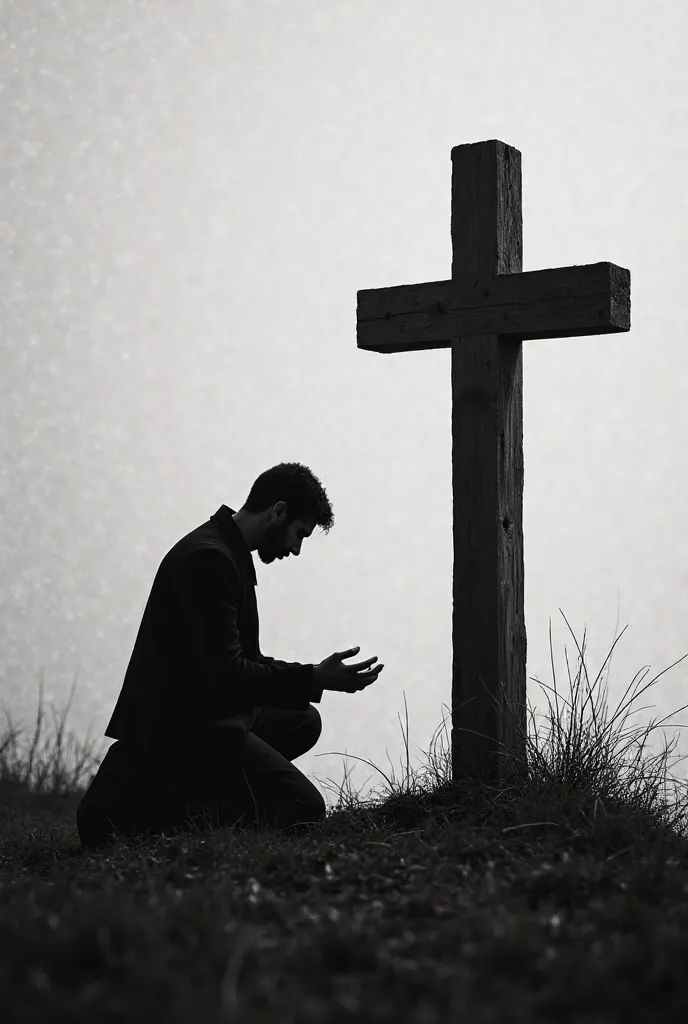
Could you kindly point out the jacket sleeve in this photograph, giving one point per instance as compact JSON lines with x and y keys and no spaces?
{"x":210,"y":601}
{"x":317,"y":691}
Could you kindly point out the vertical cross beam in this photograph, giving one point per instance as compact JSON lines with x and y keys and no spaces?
{"x":488,"y":628}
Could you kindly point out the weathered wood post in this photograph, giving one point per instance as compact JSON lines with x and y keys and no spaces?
{"x":484,"y":313}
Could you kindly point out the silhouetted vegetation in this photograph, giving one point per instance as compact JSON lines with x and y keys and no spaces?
{"x":561,"y":896}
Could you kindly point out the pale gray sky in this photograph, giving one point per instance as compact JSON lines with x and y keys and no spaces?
{"x":191,"y":196}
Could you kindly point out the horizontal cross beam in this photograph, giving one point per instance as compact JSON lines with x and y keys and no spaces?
{"x":564,"y":302}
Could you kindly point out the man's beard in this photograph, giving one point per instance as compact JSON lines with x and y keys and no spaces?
{"x":272,"y":544}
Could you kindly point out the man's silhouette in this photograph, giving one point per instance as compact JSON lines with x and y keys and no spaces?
{"x":206,"y":727}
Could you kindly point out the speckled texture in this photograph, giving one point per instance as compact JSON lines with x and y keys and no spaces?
{"x":191,"y":196}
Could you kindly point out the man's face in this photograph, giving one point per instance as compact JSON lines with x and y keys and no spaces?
{"x":282,"y":539}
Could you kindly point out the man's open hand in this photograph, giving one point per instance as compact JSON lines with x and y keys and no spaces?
{"x":332,"y":674}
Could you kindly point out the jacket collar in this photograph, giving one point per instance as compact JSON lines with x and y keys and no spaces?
{"x":234,"y":537}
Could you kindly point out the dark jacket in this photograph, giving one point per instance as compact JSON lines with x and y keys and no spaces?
{"x":196,"y":674}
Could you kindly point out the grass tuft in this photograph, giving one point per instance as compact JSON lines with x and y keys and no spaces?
{"x":46,"y":766}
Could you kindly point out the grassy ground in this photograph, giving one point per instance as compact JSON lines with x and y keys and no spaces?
{"x":564,"y":897}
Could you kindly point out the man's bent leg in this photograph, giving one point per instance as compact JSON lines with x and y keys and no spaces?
{"x":136,"y":794}
{"x":292,"y":733}
{"x":269,"y":790}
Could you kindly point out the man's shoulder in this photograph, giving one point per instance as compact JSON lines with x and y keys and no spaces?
{"x":206,"y":537}
{"x":200,"y":545}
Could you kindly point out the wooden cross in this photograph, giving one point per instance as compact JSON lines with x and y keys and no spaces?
{"x":483,"y":314}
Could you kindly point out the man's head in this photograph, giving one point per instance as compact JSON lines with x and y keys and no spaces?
{"x":284,"y":505}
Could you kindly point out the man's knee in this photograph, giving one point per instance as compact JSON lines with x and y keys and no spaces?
{"x":314,"y":723}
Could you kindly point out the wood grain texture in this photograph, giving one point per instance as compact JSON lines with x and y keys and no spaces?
{"x":489,"y":637}
{"x":483,"y":314}
{"x":560,"y":303}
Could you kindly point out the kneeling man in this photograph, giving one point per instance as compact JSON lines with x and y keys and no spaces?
{"x":206,"y":728}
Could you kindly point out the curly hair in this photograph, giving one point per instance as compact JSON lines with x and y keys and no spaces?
{"x":294,"y":484}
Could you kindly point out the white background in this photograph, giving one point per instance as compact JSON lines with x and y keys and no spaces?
{"x":191,"y":196}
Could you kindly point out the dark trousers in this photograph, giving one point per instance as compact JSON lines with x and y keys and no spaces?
{"x":135,"y":794}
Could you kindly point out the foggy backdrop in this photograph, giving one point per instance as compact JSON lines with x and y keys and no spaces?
{"x":191,"y":196}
